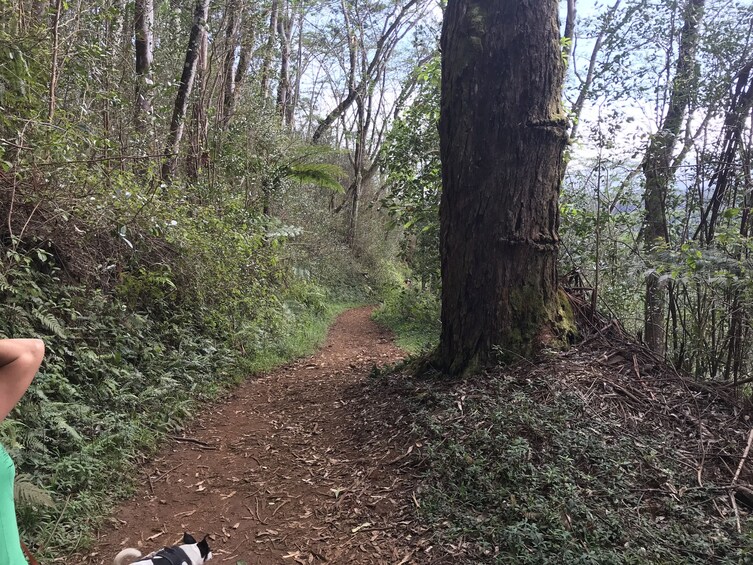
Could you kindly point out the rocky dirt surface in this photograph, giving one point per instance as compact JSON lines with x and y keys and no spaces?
{"x":307,"y":464}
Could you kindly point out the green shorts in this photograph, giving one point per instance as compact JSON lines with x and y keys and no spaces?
{"x":10,"y":544}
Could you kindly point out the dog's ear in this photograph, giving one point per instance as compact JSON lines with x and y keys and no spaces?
{"x":188,"y":538}
{"x":203,"y":546}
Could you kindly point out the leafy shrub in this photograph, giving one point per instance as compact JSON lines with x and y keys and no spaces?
{"x":100,"y":397}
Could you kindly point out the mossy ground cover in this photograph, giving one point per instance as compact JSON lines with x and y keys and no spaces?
{"x":568,"y":460}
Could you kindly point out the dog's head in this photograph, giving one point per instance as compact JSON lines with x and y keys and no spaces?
{"x":199,"y":552}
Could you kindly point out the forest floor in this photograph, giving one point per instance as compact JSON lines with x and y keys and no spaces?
{"x":600,"y":454}
{"x":302,"y":465}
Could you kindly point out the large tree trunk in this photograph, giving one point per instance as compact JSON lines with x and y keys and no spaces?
{"x":502,"y":132}
{"x":144,"y":48}
{"x":184,"y":88}
{"x":658,"y":170}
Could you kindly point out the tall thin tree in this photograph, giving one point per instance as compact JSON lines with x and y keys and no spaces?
{"x":144,"y":49}
{"x":184,"y":88}
{"x":658,"y":170}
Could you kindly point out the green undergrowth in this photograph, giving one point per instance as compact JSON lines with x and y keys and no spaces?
{"x":304,"y":338}
{"x":413,"y":316}
{"x":117,"y":380}
{"x":519,"y":471}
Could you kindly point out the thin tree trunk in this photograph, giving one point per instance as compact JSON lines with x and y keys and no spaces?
{"x":299,"y":73}
{"x":734,"y":122}
{"x":184,"y":88}
{"x":569,"y":35}
{"x":228,"y":72}
{"x":144,"y":47}
{"x":247,"y":45}
{"x":383,"y":46}
{"x":199,"y":132}
{"x":284,"y":28}
{"x":585,"y":88}
{"x":115,"y":34}
{"x":502,"y":133}
{"x":658,"y":171}
{"x":55,"y":30}
{"x":363,"y":123}
{"x":269,"y":54}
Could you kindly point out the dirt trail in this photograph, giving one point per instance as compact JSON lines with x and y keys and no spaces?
{"x":303,"y":465}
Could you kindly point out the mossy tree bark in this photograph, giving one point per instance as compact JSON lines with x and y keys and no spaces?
{"x":502,"y":131}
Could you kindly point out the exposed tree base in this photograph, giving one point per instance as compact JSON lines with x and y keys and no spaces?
{"x":560,"y":330}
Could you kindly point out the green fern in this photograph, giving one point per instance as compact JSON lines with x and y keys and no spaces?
{"x":32,"y":440}
{"x":14,"y":309}
{"x":50,"y":322}
{"x":109,"y":387}
{"x":29,"y":494}
{"x":325,"y":175}
{"x":60,"y":422}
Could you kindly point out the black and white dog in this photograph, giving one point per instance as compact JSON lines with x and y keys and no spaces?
{"x":190,"y":552}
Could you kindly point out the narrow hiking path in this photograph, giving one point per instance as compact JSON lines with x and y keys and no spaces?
{"x":303,"y":465}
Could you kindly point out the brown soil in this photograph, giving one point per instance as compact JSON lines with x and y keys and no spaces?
{"x":304,"y":465}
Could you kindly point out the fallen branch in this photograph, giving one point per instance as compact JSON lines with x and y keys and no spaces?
{"x":192,"y":440}
{"x":743,"y":458}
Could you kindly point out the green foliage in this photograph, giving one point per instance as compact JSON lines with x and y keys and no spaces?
{"x":299,"y":334}
{"x":29,"y":494}
{"x":620,"y":268}
{"x":116,"y":378}
{"x":113,"y":381}
{"x":151,"y":297}
{"x":411,"y":159}
{"x":413,"y":315}
{"x":325,"y":175}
